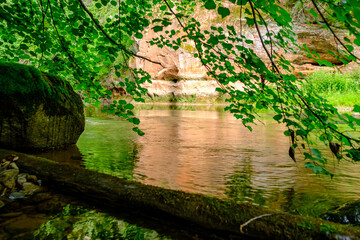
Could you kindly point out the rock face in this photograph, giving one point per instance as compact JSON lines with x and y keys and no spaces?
{"x":198,"y":88}
{"x":38,"y":111}
{"x":182,"y":65}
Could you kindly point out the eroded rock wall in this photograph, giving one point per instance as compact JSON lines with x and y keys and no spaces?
{"x":181,"y":65}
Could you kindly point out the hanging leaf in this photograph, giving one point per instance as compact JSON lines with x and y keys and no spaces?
{"x":157,"y":28}
{"x":335,"y":147}
{"x":356,"y":108}
{"x":292,"y":153}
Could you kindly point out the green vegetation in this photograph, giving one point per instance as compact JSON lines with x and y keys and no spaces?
{"x":340,"y":89}
{"x":187,"y":99}
{"x":75,"y":223}
{"x":79,"y":40}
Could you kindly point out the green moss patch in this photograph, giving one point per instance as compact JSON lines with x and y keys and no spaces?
{"x":22,"y":79}
{"x":27,"y":88}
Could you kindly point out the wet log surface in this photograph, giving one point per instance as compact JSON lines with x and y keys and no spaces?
{"x":209,"y":212}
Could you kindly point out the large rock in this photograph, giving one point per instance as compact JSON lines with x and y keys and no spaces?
{"x":38,"y":111}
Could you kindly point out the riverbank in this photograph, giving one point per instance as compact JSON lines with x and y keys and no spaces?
{"x":208,"y":212}
{"x":45,"y":212}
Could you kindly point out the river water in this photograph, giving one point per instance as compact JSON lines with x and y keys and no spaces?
{"x":210,"y":152}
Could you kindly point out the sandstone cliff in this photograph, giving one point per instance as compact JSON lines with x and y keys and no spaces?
{"x":180,"y":66}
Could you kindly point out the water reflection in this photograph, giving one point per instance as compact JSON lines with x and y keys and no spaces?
{"x":210,"y":152}
{"x":108,"y":147}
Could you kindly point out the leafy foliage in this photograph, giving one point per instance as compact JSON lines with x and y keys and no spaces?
{"x":69,"y":38}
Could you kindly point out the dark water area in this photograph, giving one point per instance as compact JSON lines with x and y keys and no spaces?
{"x":210,"y":152}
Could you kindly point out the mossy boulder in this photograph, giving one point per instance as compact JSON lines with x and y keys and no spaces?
{"x":38,"y":111}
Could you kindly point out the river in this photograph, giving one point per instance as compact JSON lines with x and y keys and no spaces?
{"x":210,"y":152}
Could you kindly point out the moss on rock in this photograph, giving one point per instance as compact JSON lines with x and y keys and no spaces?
{"x":22,"y":79}
{"x":38,"y":110}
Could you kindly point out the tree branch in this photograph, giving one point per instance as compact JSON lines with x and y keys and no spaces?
{"x":332,"y":31}
{"x":112,"y":40}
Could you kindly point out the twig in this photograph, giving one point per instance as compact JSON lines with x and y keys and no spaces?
{"x":261,"y":38}
{"x":261,"y":216}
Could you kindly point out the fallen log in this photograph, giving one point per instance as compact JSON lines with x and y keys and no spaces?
{"x":209,"y":212}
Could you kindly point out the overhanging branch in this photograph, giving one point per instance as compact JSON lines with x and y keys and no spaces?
{"x":331,"y":30}
{"x":112,"y":40}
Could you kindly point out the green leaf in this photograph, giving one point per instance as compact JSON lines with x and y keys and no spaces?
{"x":138,"y":131}
{"x":210,"y":4}
{"x":277,"y":117}
{"x":223,"y":11}
{"x":98,"y":5}
{"x":157,"y":28}
{"x":312,"y":12}
{"x":356,"y":108}
{"x":84,"y":48}
{"x":317,"y":153}
{"x":139,"y":35}
{"x":104,"y":2}
{"x":24,"y":47}
{"x":129,"y":106}
{"x":345,"y":141}
{"x":135,"y":120}
{"x":241,"y":2}
{"x":309,"y":165}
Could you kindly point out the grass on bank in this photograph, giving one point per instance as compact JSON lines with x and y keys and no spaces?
{"x":340,"y":89}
